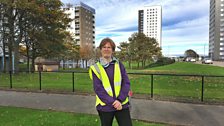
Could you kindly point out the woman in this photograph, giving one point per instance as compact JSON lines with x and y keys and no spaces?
{"x":111,"y":85}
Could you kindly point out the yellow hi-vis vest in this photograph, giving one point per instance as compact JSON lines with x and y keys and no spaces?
{"x":102,"y":75}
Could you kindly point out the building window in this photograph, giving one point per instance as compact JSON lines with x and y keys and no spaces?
{"x":76,"y":31}
{"x":77,"y":26}
{"x":222,"y":24}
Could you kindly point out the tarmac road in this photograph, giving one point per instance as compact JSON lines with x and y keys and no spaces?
{"x":215,"y":63}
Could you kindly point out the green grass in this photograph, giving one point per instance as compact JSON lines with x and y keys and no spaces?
{"x":163,"y":86}
{"x":188,"y":68}
{"x":49,"y":81}
{"x":12,"y":116}
{"x":182,"y":86}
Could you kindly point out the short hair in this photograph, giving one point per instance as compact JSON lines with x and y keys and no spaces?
{"x":107,"y":40}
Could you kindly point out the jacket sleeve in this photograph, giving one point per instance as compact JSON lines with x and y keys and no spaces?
{"x":100,"y":91}
{"x":125,"y":84}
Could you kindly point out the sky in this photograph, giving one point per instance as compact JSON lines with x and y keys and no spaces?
{"x":185,"y":23}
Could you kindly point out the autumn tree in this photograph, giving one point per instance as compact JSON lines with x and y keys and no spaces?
{"x":39,"y":25}
{"x":46,"y":35}
{"x":143,"y":48}
{"x":71,"y":52}
{"x":86,"y":53}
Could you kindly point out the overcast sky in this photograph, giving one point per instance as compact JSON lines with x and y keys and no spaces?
{"x":185,"y":23}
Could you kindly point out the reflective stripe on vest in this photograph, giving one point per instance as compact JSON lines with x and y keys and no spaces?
{"x":102,"y":75}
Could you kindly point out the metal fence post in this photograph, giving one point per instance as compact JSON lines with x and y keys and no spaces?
{"x":40,"y":79}
{"x":151,"y":85}
{"x":202,"y":89}
{"x":73,"y":81}
{"x":10,"y":77}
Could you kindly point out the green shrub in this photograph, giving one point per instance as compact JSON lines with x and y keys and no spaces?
{"x":161,"y":62}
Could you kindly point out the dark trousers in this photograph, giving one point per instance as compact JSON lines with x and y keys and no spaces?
{"x":123,"y":117}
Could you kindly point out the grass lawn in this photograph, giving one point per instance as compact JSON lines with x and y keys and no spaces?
{"x":164,"y":86}
{"x":188,"y":68}
{"x":182,"y":86}
{"x":12,"y":116}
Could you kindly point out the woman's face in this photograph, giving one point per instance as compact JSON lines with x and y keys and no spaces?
{"x":106,"y":50}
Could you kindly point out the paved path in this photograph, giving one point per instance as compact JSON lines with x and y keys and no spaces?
{"x":149,"y":110}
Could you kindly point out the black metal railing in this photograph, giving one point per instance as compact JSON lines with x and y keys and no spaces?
{"x":189,"y":75}
{"x":152,"y":75}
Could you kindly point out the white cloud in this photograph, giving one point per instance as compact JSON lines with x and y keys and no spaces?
{"x":184,"y":9}
{"x":185,"y":22}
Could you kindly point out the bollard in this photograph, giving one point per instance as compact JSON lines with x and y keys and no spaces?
{"x":40,"y":79}
{"x":202,"y":89}
{"x":151,"y":85}
{"x":73,"y":81}
{"x":10,"y":75}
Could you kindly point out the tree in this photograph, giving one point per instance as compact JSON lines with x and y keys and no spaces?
{"x":39,"y":24}
{"x":96,"y":54}
{"x":143,"y":48}
{"x":8,"y":21}
{"x":191,"y":53}
{"x":48,"y":31}
{"x":125,"y":53}
{"x":86,"y":54}
{"x":71,"y":52}
{"x":3,"y":32}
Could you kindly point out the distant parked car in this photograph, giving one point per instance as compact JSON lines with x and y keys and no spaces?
{"x":193,"y":60}
{"x":207,"y":61}
{"x":189,"y":59}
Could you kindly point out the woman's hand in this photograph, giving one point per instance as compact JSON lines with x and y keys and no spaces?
{"x":117,"y":105}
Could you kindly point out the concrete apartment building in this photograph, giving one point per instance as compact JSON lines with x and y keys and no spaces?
{"x":216,"y":30}
{"x":150,"y":22}
{"x":83,"y":25}
{"x":82,"y":28}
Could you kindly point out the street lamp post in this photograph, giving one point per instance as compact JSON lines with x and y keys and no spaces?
{"x":204,"y":50}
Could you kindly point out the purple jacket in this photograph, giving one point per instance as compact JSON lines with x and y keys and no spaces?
{"x":102,"y":94}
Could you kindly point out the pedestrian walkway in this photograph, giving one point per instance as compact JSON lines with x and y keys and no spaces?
{"x":148,"y":110}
